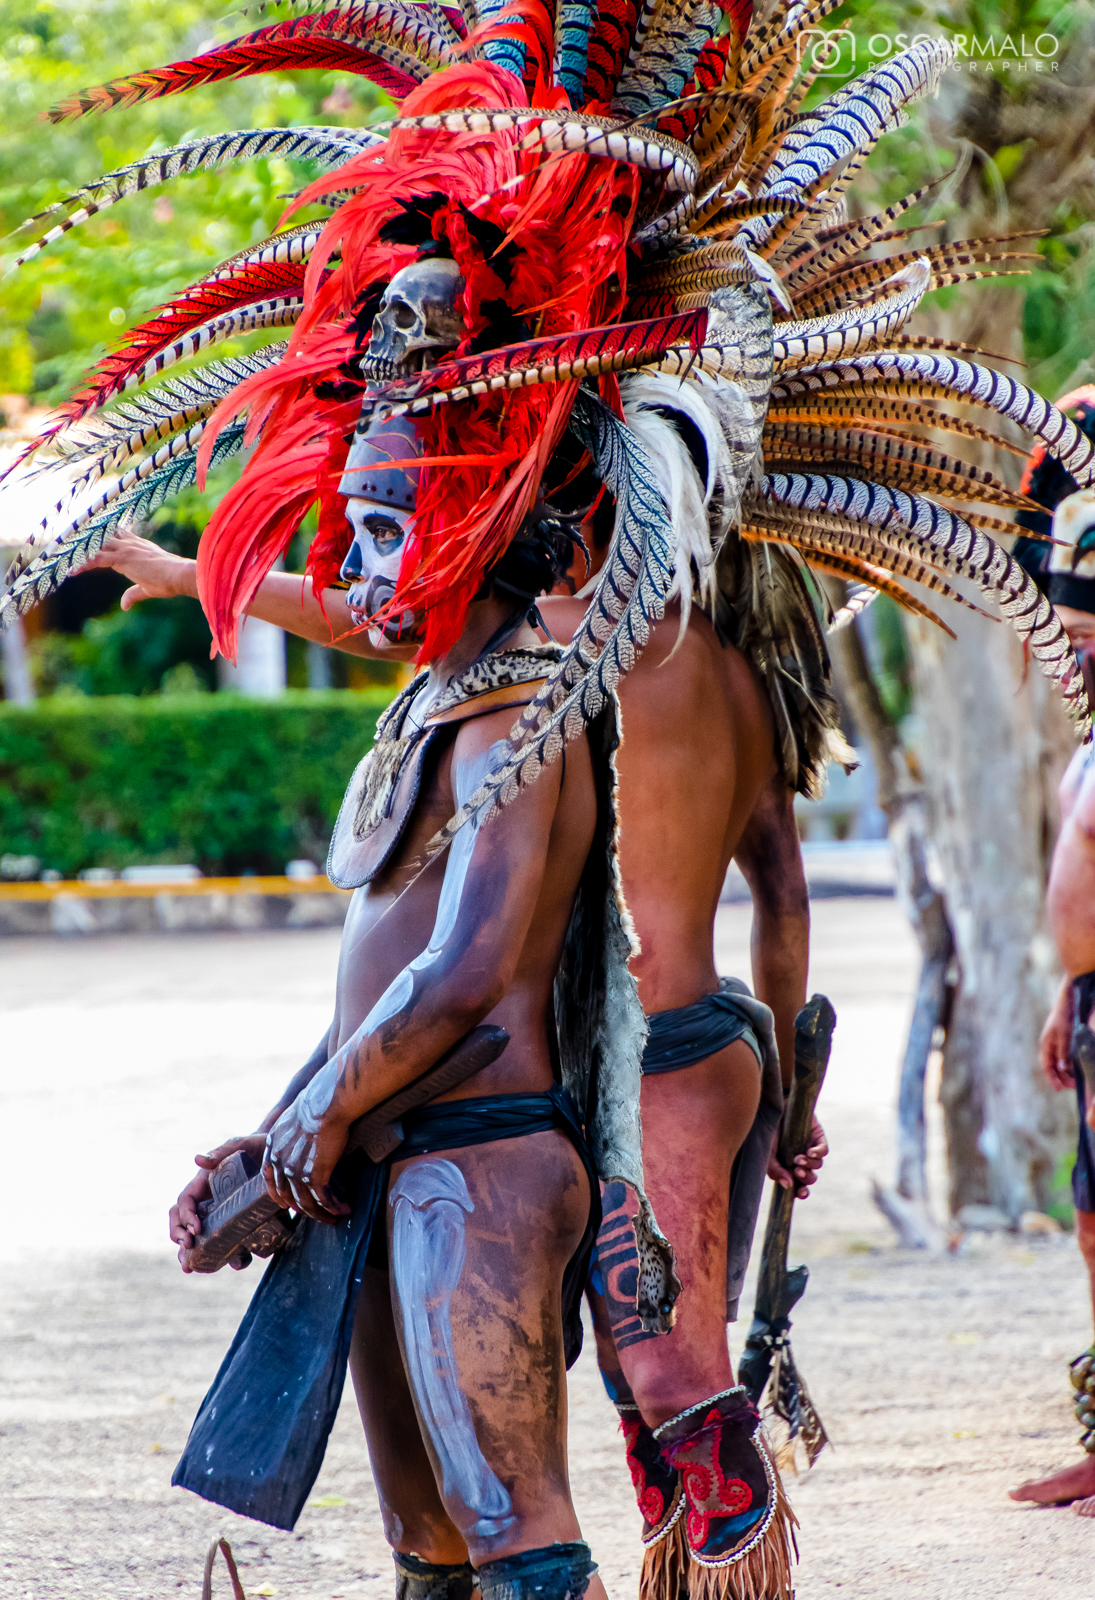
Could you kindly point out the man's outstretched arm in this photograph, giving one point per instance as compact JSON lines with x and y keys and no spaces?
{"x":492,"y":883}
{"x":770,"y":860}
{"x":284,"y":598}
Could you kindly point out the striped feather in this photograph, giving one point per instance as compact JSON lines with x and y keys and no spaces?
{"x":828,"y":337}
{"x":902,"y":374}
{"x":381,"y":40}
{"x":629,"y":596}
{"x":835,"y":246}
{"x":573,"y":24}
{"x":61,"y":559}
{"x":274,"y":288}
{"x":880,"y":411}
{"x":870,"y":581}
{"x":559,"y":131}
{"x":858,"y":596}
{"x":894,"y":459}
{"x":327,"y":147}
{"x":115,"y":437}
{"x":915,"y":525}
{"x":779,"y":36}
{"x":617,"y":348}
{"x":852,"y":120}
{"x":609,"y":44}
{"x":280,"y":313}
{"x":667,"y":59}
{"x":944,"y":261}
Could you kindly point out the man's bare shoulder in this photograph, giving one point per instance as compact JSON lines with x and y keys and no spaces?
{"x":696,"y":648}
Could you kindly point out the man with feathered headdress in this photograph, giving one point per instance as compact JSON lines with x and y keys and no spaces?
{"x":622,"y":193}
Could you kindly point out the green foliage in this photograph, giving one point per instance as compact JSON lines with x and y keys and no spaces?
{"x":68,"y":306}
{"x":232,"y":784}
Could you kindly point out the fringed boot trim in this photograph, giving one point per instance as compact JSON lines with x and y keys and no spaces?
{"x":762,"y":1570}
{"x":665,"y":1570}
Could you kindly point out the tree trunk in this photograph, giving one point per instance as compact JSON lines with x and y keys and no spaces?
{"x":900,"y":796}
{"x":995,"y":742}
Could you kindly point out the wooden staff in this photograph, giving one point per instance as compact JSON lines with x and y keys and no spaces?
{"x":767,"y":1359}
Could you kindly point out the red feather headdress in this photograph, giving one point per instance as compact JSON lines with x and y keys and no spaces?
{"x":541,"y":241}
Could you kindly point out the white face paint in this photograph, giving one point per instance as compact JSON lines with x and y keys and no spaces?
{"x":429,"y":1201}
{"x":372,"y":567}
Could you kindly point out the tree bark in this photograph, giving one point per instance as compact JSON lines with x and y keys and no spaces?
{"x":900,"y":796}
{"x":995,"y":742}
{"x":995,"y":739}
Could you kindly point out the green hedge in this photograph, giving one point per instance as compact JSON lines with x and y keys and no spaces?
{"x":230,"y":783}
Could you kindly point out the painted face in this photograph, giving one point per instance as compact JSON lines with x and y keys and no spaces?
{"x":1080,"y":627}
{"x":380,"y":483}
{"x":371,"y":568}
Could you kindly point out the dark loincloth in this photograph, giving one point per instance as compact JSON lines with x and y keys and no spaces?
{"x":1083,"y":1173}
{"x":258,"y":1440}
{"x":680,"y":1038}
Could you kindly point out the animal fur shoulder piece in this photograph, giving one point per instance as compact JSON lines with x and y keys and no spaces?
{"x":655,"y":165}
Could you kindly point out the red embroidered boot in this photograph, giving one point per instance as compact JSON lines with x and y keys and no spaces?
{"x":738,"y":1526}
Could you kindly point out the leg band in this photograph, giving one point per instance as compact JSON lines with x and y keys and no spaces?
{"x":554,"y":1572}
{"x":1081,"y":1374}
{"x":416,"y":1579}
{"x":738,"y":1525}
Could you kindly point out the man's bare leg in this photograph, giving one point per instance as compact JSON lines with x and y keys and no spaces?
{"x":478,"y":1241}
{"x":415,"y":1521}
{"x":702,"y":1114}
{"x":1073,"y":1485}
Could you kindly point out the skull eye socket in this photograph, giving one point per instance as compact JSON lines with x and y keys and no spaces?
{"x":405,"y":316}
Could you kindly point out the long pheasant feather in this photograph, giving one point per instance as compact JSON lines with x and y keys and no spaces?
{"x":326,"y":147}
{"x":914,"y":523}
{"x":378,"y":40}
{"x":49,"y":569}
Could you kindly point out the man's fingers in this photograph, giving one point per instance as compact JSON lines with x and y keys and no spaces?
{"x":276,"y":1184}
{"x":133,"y":596}
{"x":305,"y":1201}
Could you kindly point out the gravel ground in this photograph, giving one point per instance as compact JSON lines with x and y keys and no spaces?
{"x":941,"y":1379}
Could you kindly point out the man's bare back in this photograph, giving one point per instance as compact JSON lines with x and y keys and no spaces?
{"x":697,"y":752}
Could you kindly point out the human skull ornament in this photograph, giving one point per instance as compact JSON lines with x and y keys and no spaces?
{"x":417,"y":321}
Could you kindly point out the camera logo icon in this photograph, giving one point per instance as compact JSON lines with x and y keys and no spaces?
{"x":828,"y":53}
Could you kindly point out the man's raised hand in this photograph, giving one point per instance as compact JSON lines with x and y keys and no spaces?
{"x":155,"y":573}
